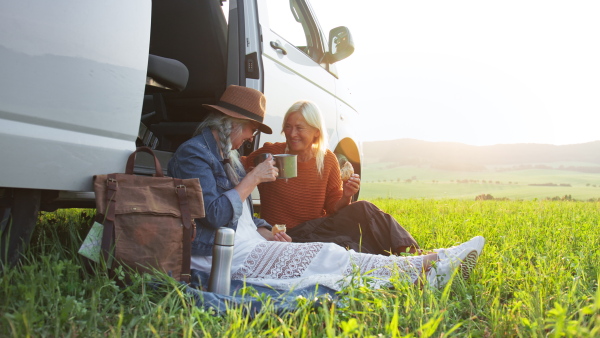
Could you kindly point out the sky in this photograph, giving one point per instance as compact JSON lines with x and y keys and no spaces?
{"x":474,"y":72}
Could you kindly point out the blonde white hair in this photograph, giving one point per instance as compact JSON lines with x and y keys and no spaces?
{"x":314,"y":118}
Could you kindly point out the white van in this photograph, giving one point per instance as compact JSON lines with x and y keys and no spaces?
{"x":82,"y":83}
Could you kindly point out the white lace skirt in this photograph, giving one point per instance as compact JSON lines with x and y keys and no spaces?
{"x":293,"y":265}
{"x":284,"y":266}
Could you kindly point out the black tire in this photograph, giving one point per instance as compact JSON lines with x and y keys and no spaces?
{"x":18,"y":220}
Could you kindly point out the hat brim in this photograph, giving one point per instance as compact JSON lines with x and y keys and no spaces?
{"x":261,"y":126}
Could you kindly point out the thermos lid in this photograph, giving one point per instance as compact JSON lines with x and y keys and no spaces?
{"x":225,"y":236}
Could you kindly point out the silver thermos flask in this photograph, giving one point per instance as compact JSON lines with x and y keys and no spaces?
{"x":220,"y":272}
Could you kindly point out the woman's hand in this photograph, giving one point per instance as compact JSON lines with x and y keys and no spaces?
{"x":350,"y":189}
{"x":282,"y":237}
{"x":265,"y":171}
{"x":352,"y":186}
{"x":268,"y":235}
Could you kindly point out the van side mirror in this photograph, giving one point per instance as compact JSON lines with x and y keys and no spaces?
{"x":341,"y":44}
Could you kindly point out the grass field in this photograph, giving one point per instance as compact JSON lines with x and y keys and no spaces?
{"x":537,"y":277}
{"x":383,"y":180}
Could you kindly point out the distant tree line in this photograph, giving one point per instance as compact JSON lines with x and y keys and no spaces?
{"x":583,"y":169}
{"x":467,"y":181}
{"x":489,"y":197}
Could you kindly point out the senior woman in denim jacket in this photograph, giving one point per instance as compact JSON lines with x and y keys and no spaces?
{"x":210,"y":156}
{"x":265,"y":259}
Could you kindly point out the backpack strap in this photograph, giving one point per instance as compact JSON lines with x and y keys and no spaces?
{"x":108,"y":234}
{"x":131,"y":161}
{"x":186,"y":218}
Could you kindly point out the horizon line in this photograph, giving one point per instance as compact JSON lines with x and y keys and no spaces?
{"x":480,"y":145}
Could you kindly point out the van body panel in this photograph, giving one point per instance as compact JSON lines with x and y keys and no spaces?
{"x":71,"y":89}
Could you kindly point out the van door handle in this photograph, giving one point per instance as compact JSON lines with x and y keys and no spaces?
{"x":277,"y":46}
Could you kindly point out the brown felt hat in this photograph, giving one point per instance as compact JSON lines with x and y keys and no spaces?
{"x":243,"y":103}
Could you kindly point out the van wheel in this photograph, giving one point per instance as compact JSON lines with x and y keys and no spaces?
{"x":18,"y":219}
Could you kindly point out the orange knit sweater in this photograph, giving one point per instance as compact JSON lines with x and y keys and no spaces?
{"x":302,"y":198}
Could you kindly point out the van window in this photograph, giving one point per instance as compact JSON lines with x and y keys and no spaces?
{"x":291,"y":20}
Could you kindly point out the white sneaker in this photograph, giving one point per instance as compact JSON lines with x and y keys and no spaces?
{"x":463,"y":257}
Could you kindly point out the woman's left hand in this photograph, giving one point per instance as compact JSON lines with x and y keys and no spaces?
{"x":268,"y":235}
{"x":352,"y":186}
{"x":282,"y":237}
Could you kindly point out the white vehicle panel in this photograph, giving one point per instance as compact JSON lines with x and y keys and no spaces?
{"x":289,"y":89}
{"x":71,"y":88}
{"x":62,"y":159}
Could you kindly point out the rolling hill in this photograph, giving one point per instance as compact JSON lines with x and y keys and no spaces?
{"x":457,"y":156}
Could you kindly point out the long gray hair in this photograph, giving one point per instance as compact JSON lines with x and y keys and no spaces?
{"x":226,"y":127}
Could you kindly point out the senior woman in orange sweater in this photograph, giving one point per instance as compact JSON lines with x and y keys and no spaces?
{"x":316,"y":206}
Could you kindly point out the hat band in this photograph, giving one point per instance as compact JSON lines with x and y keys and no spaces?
{"x":241,"y":111}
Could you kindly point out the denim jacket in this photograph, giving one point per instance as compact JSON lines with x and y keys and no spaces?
{"x":200,"y":158}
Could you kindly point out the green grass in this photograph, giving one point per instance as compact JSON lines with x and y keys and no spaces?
{"x":385,"y":180}
{"x":537,"y":277}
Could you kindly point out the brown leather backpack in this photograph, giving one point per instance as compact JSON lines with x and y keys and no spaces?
{"x":148,"y":221}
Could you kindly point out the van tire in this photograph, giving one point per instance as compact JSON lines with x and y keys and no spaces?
{"x":18,"y":221}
